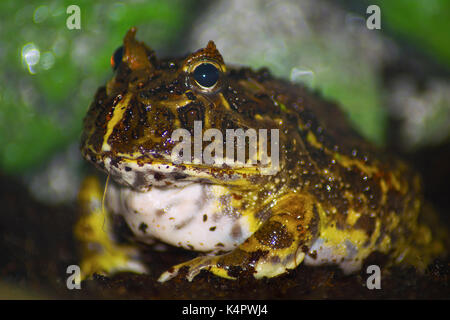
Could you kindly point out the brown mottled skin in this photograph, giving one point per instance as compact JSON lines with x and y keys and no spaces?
{"x":332,"y":184}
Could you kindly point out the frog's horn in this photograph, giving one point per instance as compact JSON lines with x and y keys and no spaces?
{"x":209,"y":52}
{"x":212,"y":52}
{"x":136,"y":54}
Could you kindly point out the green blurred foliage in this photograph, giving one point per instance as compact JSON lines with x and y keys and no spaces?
{"x":425,"y":23}
{"x":41,"y":108}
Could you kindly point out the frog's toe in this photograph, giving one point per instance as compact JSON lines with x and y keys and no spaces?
{"x":169,"y":274}
{"x":108,"y":263}
{"x":194,"y":266}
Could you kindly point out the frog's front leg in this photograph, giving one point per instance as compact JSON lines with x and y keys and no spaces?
{"x":278,"y":245}
{"x":100,"y":253}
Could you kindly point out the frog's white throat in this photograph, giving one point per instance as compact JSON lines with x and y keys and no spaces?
{"x":195,"y":216}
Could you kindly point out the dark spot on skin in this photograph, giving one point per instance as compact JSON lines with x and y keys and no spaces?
{"x":236,"y":231}
{"x":160,"y":212}
{"x":237,"y":196}
{"x":115,"y":162}
{"x":257,"y":255}
{"x":220,"y":245}
{"x":127,"y":169}
{"x":140,"y":179}
{"x":234,"y":271}
{"x":366,"y":223}
{"x":159,"y":176}
{"x":205,"y":217}
{"x":143,"y":227}
{"x":179,"y":175}
{"x":274,"y":235}
{"x":314,"y":223}
{"x":212,"y":228}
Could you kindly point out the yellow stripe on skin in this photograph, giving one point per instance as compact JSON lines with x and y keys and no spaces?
{"x":343,"y":160}
{"x":221,"y":273}
{"x":313,"y":141}
{"x":174,"y":104}
{"x":119,"y":110}
{"x":348,"y":163}
{"x":224,"y":101}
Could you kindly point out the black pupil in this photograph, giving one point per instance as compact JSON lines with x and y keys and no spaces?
{"x":206,"y":75}
{"x":118,"y":55}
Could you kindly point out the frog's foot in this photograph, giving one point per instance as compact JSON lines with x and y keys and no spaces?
{"x":238,"y":262}
{"x":107,"y":261}
{"x":100,"y":252}
{"x":277,"y":246}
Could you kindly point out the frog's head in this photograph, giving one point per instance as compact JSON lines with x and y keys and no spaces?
{"x":128,"y":128}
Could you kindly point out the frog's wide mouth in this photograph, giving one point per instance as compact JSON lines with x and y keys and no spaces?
{"x":144,"y":173}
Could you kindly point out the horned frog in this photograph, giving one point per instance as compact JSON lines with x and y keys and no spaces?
{"x":334,"y":200}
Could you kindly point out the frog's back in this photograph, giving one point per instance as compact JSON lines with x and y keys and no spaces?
{"x":367,"y":199}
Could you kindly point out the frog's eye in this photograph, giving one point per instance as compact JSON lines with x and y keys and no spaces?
{"x":206,"y":75}
{"x":116,"y":58}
